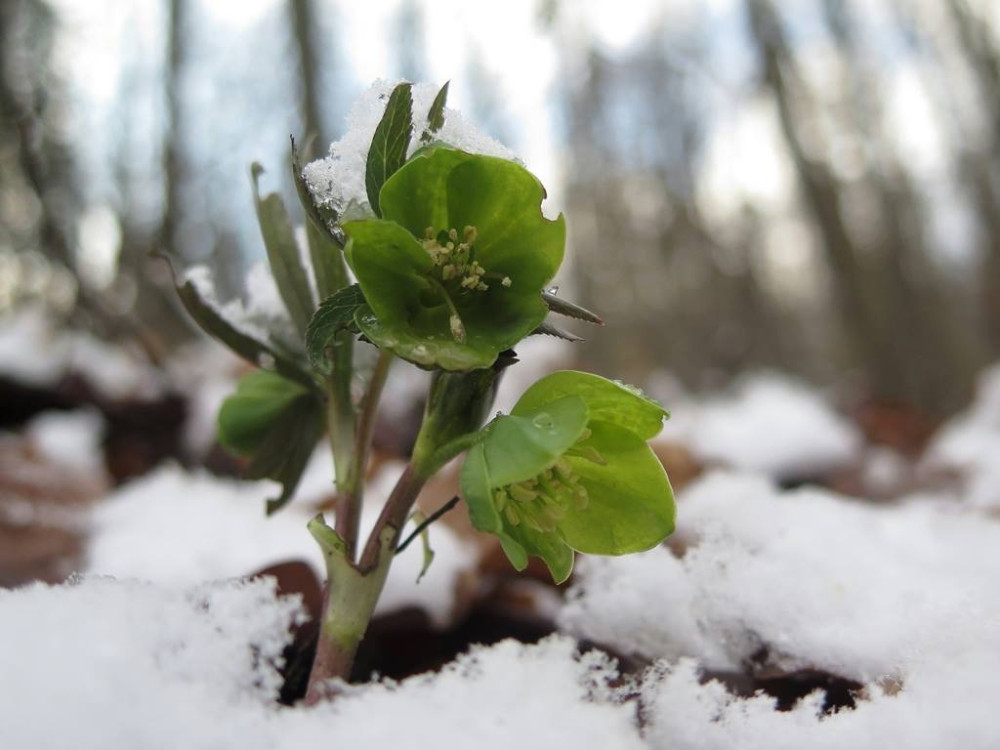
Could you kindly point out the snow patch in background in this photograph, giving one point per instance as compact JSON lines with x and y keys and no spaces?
{"x":970,"y":443}
{"x":35,"y":350}
{"x":70,"y":439}
{"x":339,"y":179}
{"x":771,"y":424}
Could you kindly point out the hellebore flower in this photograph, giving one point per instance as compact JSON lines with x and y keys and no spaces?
{"x":569,"y":469}
{"x":453,"y":271}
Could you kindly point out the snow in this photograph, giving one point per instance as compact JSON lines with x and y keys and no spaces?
{"x":34,"y":350}
{"x":69,"y":439}
{"x":770,"y":424}
{"x":127,"y":664}
{"x":900,"y":594}
{"x":339,"y":179}
{"x":121,"y":664}
{"x":178,"y":528}
{"x":970,"y":443}
{"x":260,"y":315}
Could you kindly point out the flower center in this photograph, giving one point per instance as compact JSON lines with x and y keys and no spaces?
{"x":542,"y":501}
{"x":457,"y":272}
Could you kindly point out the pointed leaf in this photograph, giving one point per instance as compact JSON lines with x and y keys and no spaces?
{"x":389,"y":144}
{"x":547,"y":329}
{"x":254,"y":351}
{"x":435,"y":116}
{"x":325,"y":245}
{"x":283,"y":254}
{"x":335,"y":314}
{"x":569,"y":309}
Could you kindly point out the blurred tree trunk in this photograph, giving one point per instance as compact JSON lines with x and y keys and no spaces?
{"x":303,"y":17}
{"x":983,"y":175}
{"x":881,"y":312}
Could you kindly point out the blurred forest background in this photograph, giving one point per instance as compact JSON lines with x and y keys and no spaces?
{"x":811,"y":185}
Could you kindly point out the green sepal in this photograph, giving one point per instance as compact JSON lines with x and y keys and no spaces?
{"x":335,"y":314}
{"x":631,"y":506}
{"x":387,"y":152}
{"x":606,"y":400}
{"x":519,"y":446}
{"x":283,"y":254}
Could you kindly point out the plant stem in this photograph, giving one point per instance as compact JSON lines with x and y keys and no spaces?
{"x":351,"y":490}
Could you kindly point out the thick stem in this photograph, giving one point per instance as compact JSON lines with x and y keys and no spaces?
{"x":348,"y":607}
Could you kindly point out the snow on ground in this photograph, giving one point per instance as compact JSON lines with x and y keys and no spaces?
{"x":970,"y":443}
{"x":178,"y":528}
{"x":35,"y":350}
{"x":905,"y":593}
{"x":122,"y":664}
{"x":769,"y":424}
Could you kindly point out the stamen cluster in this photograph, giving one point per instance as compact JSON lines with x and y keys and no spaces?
{"x":542,"y":501}
{"x":458,"y":267}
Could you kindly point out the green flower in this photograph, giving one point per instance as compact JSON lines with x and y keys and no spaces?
{"x":452,"y":274}
{"x":569,"y":469}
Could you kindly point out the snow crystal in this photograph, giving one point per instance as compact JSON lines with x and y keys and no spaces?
{"x":339,"y":179}
{"x":129,"y":664}
{"x":177,"y":528}
{"x":771,"y":425}
{"x":70,"y":439}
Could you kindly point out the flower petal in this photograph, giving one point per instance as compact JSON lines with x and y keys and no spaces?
{"x":416,"y":196}
{"x":520,"y":447}
{"x":503,"y":201}
{"x":630,"y":503}
{"x":606,"y":401}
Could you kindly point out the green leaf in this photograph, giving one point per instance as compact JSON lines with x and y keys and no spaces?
{"x":631,"y":504}
{"x":520,"y":446}
{"x":320,"y":216}
{"x":389,"y":144}
{"x":287,"y":448}
{"x":249,"y":348}
{"x":325,"y":246}
{"x":283,"y":254}
{"x":569,"y":309}
{"x":606,"y":400}
{"x":276,"y":423}
{"x":435,"y":116}
{"x":246,"y":416}
{"x":334,"y":314}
